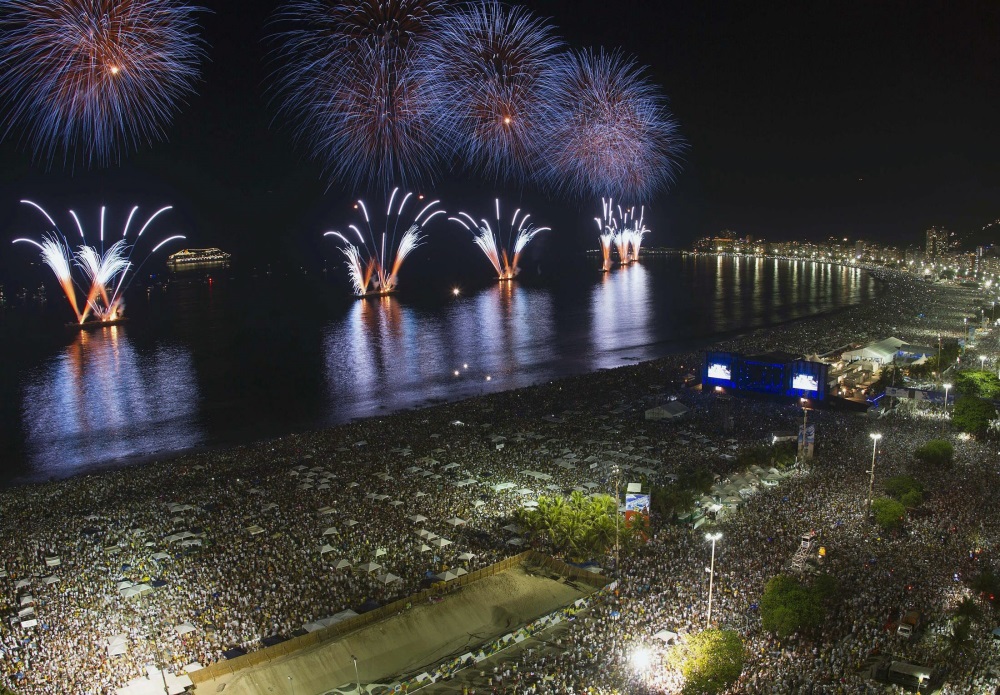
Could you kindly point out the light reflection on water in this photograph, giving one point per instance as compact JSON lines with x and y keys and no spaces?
{"x":98,"y":398}
{"x":211,"y":375}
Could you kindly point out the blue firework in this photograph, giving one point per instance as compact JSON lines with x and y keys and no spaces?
{"x":348,"y":77}
{"x":86,"y":81}
{"x":606,"y":130}
{"x":489,"y":63}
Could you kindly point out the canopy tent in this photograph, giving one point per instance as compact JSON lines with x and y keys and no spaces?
{"x":466,"y":556}
{"x":440,"y":542}
{"x":184,"y":628}
{"x":417,"y":518}
{"x":341,"y":564}
{"x":380,"y":552}
{"x":330,"y":531}
{"x":117,"y":645}
{"x":369,"y":567}
{"x":455,"y":521}
{"x":254,"y":530}
{"x":388,"y":578}
{"x":327,"y":548}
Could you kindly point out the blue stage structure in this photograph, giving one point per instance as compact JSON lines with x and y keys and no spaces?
{"x":775,"y":373}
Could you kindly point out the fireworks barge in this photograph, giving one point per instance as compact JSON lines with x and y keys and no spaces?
{"x":94,"y":325}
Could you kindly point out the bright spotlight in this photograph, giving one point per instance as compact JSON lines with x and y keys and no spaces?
{"x":641,"y":658}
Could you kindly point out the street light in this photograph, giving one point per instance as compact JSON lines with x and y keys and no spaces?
{"x":356,"y":676}
{"x":711,"y":572}
{"x":871,"y":480}
{"x":982,"y":362}
{"x":946,"y":388}
{"x":803,"y":443}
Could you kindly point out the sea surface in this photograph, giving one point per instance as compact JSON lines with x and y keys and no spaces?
{"x":218,"y":356}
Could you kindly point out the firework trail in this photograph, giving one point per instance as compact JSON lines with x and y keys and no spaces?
{"x":621,"y":229}
{"x":374,"y":262}
{"x":105,"y":271}
{"x":347,"y":76}
{"x":488,"y":63}
{"x":606,"y":129}
{"x":89,"y":80}
{"x":502,"y":254}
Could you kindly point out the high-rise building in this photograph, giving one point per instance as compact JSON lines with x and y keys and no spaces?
{"x":937,"y":242}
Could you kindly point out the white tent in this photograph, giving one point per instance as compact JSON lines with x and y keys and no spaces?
{"x":341,"y":564}
{"x":424,"y":548}
{"x":117,"y":645}
{"x":351,"y":523}
{"x":327,"y":548}
{"x":466,"y":556}
{"x":370,"y":567}
{"x":254,"y":530}
{"x":136,"y":590}
{"x":380,"y":552}
{"x":330,"y":531}
{"x":668,"y":411}
{"x":388,"y":578}
{"x":184,"y":628}
{"x":455,"y":521}
{"x":440,"y":542}
{"x":417,"y":518}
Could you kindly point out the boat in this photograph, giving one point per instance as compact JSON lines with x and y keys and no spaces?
{"x":94,"y":325}
{"x":190,"y":257}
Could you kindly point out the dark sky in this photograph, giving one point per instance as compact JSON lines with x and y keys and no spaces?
{"x":804,"y":119}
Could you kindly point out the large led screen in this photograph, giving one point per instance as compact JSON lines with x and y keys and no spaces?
{"x":805,"y":382}
{"x":720,"y":371}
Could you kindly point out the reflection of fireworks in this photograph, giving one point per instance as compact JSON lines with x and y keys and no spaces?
{"x":607,"y":130}
{"x":348,"y":77}
{"x":376,"y":264}
{"x":95,"y":77}
{"x":621,"y":229}
{"x":504,"y":255}
{"x":489,"y":62}
{"x":105,"y":271}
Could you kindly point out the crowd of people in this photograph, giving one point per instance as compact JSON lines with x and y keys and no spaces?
{"x":228,"y":551}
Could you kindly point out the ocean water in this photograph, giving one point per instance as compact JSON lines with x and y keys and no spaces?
{"x":220,"y":356}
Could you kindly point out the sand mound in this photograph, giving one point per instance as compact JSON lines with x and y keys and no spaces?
{"x":409,"y":642}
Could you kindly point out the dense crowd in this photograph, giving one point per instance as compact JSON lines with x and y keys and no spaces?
{"x":242,"y":547}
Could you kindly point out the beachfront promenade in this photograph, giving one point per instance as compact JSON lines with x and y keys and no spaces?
{"x":182,"y":562}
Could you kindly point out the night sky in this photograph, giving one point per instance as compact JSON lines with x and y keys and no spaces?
{"x":871,"y":119}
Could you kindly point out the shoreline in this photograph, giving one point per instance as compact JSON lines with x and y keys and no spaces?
{"x":686,"y":348}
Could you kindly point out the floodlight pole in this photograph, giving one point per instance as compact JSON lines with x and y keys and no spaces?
{"x":357,"y":677}
{"x":711,"y":574}
{"x":871,"y":480}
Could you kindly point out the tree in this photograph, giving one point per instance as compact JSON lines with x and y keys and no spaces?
{"x":710,"y":660}
{"x":938,"y":453}
{"x":788,"y":605}
{"x":976,"y":382}
{"x":973,"y":415}
{"x":666,"y":502}
{"x":912,"y":499}
{"x":969,"y":609}
{"x":899,"y":485}
{"x":889,"y":513}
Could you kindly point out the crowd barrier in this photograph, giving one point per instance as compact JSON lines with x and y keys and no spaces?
{"x":335,"y":632}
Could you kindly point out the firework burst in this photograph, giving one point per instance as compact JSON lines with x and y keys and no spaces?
{"x":489,"y":63}
{"x":88,"y":80}
{"x":622,"y":229}
{"x":607,"y":130}
{"x":347,"y":76}
{"x":105,"y":271}
{"x":504,"y":254}
{"x":373,"y":263}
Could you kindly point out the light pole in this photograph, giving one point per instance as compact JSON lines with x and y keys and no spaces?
{"x":616,"y":472}
{"x":946,"y":388}
{"x":711,"y":572}
{"x":804,"y":444}
{"x":356,"y":676}
{"x":871,"y":480}
{"x":982,"y":362}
